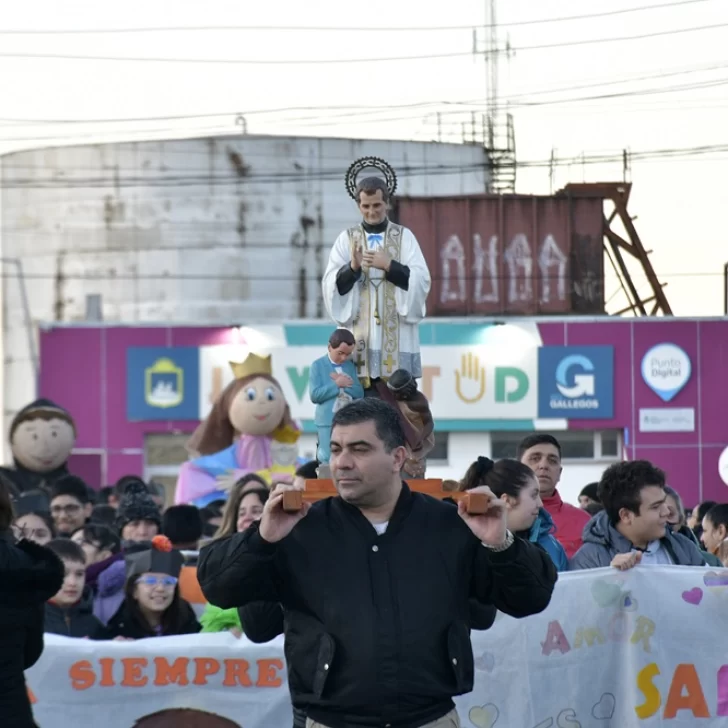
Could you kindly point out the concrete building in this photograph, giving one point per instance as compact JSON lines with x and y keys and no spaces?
{"x":200,"y":231}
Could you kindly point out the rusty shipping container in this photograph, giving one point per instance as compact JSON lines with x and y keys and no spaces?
{"x":509,"y":255}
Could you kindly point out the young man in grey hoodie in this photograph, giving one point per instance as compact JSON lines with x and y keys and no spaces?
{"x":632,"y":528}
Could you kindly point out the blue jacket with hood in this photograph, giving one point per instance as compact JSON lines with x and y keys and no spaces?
{"x":541,"y":533}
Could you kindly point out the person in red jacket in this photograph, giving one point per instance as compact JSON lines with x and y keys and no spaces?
{"x":542,"y":453}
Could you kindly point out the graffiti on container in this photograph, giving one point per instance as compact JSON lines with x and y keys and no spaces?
{"x":519,"y":260}
{"x":453,"y":266}
{"x":552,"y":256}
{"x":485,"y":264}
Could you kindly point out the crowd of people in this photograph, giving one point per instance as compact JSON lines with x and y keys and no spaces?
{"x":115,"y":564}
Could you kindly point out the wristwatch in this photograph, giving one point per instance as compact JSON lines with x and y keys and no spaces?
{"x":503,"y":546}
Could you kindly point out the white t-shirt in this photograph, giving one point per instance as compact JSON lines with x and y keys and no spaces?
{"x":380,"y":528}
{"x":655,"y":554}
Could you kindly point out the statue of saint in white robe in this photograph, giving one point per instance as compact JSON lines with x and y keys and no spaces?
{"x":383,"y":311}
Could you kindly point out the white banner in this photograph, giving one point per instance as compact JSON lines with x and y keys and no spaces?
{"x":462,"y":382}
{"x":613,"y":650}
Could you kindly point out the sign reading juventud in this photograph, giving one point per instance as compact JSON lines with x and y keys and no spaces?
{"x":461,"y":382}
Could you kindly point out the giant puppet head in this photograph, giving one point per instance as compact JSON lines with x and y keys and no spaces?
{"x":252,"y":404}
{"x":42,"y":436}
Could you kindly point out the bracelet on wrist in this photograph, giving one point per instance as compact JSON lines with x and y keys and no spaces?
{"x":506,"y":544}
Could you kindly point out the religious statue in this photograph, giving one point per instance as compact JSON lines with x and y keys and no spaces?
{"x":249,"y":430}
{"x":419,"y":426}
{"x":376,"y":281}
{"x":333,"y":383}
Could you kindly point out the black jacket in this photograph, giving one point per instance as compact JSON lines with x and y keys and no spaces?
{"x":75,"y":621}
{"x":126,"y":624}
{"x":29,"y":576}
{"x":377,"y":627}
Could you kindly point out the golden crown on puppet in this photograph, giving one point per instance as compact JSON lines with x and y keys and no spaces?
{"x":252,"y":365}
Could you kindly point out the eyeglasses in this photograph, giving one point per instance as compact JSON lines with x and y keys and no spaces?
{"x":67,"y":509}
{"x":152,"y":581}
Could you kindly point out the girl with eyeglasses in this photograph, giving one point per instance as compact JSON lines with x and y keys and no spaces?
{"x":152,"y":606}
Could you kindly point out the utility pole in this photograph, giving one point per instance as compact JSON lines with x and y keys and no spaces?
{"x":500,"y":136}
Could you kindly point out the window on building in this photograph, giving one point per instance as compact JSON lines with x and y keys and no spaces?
{"x":163,"y":455}
{"x":440,"y":452}
{"x":575,"y":444}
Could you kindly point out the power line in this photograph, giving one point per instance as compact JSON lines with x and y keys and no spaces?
{"x":276,"y":28}
{"x":329,"y":61}
{"x":261,"y":178}
{"x":367,"y":109}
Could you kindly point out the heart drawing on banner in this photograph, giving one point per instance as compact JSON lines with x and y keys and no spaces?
{"x":693,"y":596}
{"x":606,"y":593}
{"x":604,"y":709}
{"x":484,"y":716}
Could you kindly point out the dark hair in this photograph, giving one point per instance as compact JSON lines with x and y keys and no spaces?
{"x":593,"y":508}
{"x":341,"y":336}
{"x":402,"y":384}
{"x":703,"y":509}
{"x":537,"y":438}
{"x":104,"y":515}
{"x":308,"y":470}
{"x":120,"y":485}
{"x":72,"y":486}
{"x":6,"y":504}
{"x":211,"y":510}
{"x":621,"y":485}
{"x":386,"y":420}
{"x":103,"y":537}
{"x":102,"y":497}
{"x":43,"y":515}
{"x":182,"y":524}
{"x":505,"y":477}
{"x":370,"y":185}
{"x":590,"y":491}
{"x":67,"y":549}
{"x":174,"y":617}
{"x":718,"y":515}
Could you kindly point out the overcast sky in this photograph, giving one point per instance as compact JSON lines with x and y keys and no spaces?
{"x":679,"y":201}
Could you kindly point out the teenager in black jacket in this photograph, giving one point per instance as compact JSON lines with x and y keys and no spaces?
{"x":29,"y":575}
{"x":375,"y":583}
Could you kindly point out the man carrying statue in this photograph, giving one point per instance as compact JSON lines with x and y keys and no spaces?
{"x":376,"y":281}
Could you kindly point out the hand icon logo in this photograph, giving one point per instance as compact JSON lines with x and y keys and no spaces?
{"x":470,"y":369}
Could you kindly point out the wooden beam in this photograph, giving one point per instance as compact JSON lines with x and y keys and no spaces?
{"x":315,"y":490}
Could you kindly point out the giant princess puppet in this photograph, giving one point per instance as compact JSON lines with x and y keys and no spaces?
{"x":376,"y":281}
{"x":248,"y":430}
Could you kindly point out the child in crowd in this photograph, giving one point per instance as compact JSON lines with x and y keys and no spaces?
{"x":152,"y":606}
{"x":70,"y":611}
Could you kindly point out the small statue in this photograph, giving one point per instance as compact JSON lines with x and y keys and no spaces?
{"x":419,"y":425}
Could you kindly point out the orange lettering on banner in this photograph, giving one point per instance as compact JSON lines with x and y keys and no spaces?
{"x":166,"y":674}
{"x":205,"y":667}
{"x":133,"y":675}
{"x":137,"y":672}
{"x":236,"y":674}
{"x":107,"y":672}
{"x":268,"y":676}
{"x":686,"y":680}
{"x":82,"y":675}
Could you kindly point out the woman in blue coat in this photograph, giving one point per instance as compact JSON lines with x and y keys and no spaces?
{"x":516,"y":485}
